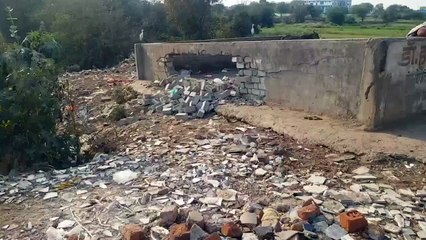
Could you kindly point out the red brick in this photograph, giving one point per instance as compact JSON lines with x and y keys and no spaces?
{"x":309,"y":210}
{"x":231,"y":230}
{"x":353,"y":221}
{"x":213,"y":236}
{"x":132,"y":232}
{"x":180,"y":232}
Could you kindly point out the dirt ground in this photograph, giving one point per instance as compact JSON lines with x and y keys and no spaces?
{"x":408,"y":140}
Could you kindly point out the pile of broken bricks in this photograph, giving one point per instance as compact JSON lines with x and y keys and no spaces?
{"x":307,"y":222}
{"x":192,"y":97}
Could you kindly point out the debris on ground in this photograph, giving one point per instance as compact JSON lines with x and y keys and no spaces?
{"x":163,"y":177}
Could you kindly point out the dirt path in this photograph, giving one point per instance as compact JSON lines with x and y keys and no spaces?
{"x":339,"y":135}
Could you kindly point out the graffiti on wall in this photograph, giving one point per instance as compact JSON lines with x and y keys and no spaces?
{"x":413,"y":55}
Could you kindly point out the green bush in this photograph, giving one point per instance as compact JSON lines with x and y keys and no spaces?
{"x":117,"y":113}
{"x":30,"y":108}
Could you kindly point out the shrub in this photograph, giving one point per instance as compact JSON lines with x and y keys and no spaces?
{"x":117,"y":113}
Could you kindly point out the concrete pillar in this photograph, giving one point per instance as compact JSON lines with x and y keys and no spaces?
{"x":372,"y":83}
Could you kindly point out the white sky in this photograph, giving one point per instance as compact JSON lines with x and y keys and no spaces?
{"x":415,"y":4}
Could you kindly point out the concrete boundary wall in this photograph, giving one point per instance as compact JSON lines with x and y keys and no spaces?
{"x":376,"y":82}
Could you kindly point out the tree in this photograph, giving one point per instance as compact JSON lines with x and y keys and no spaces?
{"x":192,"y":18}
{"x":262,"y":14}
{"x":336,"y":15}
{"x":362,"y":10}
{"x":378,"y":11}
{"x":391,"y":13}
{"x":282,"y":7}
{"x":314,"y":11}
{"x":299,"y":10}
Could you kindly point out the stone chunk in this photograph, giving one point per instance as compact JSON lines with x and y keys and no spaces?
{"x":231,"y":230}
{"x":264,"y":233}
{"x":389,"y":227}
{"x":361,"y":170}
{"x":195,"y":217}
{"x":318,"y":180}
{"x":375,"y":232}
{"x":132,"y":232}
{"x":249,"y":219}
{"x":168,"y":215}
{"x":197,"y":233}
{"x":179,"y":232}
{"x":333,"y":207}
{"x":335,"y":232}
{"x":317,"y":189}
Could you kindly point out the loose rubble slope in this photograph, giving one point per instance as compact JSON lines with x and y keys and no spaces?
{"x":205,"y":179}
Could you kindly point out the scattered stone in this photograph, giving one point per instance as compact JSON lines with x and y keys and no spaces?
{"x":399,"y":221}
{"x":55,"y":234}
{"x":249,"y":236}
{"x":168,"y":215}
{"x":361,"y":170}
{"x":195,"y":217}
{"x":332,"y":206}
{"x":248,"y":219}
{"x":66,"y":224}
{"x":50,"y":195}
{"x":260,"y":172}
{"x":231,"y":230}
{"x":389,"y":227}
{"x":132,"y":232}
{"x":406,"y":192}
{"x":197,"y":233}
{"x":264,"y":233}
{"x":318,"y":180}
{"x":335,"y":232}
{"x":365,"y":177}
{"x":107,"y":233}
{"x":229,"y":195}
{"x":180,"y":232}
{"x":125,"y":176}
{"x":421,"y":235}
{"x":289,"y":235}
{"x":158,"y":233}
{"x":315,"y":189}
{"x":375,"y":232}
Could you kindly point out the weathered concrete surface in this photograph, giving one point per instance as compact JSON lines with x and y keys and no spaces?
{"x":377,"y":82}
{"x":340,"y":135}
{"x":403,"y":81}
{"x":322,"y":76}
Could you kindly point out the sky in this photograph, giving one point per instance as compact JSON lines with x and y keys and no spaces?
{"x":414,"y":4}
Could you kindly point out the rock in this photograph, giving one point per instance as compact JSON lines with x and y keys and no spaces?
{"x":320,"y":226}
{"x":197,"y":233}
{"x":231,"y":230}
{"x":365,"y":177}
{"x":195,"y":217}
{"x":421,"y":235}
{"x":125,"y":176}
{"x":309,"y":210}
{"x":298,"y":226}
{"x":248,"y":219}
{"x":260,"y":172}
{"x":421,"y":193}
{"x":237,"y":149}
{"x":264,"y":233}
{"x":132,"y":232}
{"x":389,"y":227}
{"x":50,"y":195}
{"x":335,"y":232}
{"x":66,"y":224}
{"x":228,"y":195}
{"x":55,"y":234}
{"x":361,"y":170}
{"x":168,"y":215}
{"x":213,"y":236}
{"x":399,"y":221}
{"x":249,"y":236}
{"x":375,"y":232}
{"x":318,"y":180}
{"x":158,"y":233}
{"x":271,"y":218}
{"x":289,"y":235}
{"x":107,"y":233}
{"x":332,"y":206}
{"x":406,"y":192}
{"x":180,"y":232}
{"x":23,"y":184}
{"x":211,"y":201}
{"x":315,"y":189}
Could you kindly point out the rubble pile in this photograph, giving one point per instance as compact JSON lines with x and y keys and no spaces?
{"x":209,"y":179}
{"x":192,"y":97}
